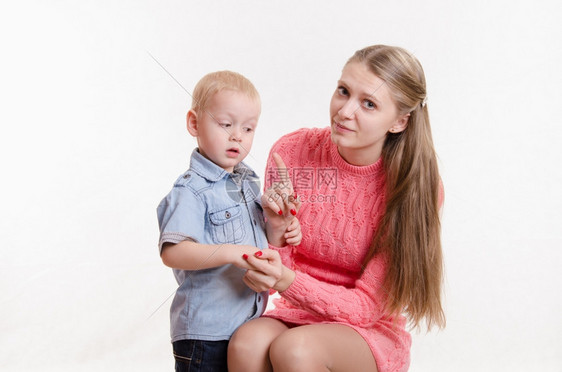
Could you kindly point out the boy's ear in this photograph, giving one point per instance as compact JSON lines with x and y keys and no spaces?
{"x":401,"y":124}
{"x":192,"y":124}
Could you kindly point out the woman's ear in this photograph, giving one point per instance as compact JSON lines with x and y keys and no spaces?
{"x":401,"y":124}
{"x":192,"y":124}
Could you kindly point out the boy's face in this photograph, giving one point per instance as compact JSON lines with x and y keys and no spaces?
{"x":225,"y":129}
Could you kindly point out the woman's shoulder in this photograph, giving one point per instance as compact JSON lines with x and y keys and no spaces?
{"x":307,"y":137}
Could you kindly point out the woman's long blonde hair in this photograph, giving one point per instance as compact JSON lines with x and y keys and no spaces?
{"x":409,"y":233}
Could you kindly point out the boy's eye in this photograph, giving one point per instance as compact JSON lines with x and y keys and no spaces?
{"x":225,"y":125}
{"x":247,"y":129}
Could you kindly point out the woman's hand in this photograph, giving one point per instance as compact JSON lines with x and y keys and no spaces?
{"x":280,"y":205}
{"x":268,"y":272}
{"x":280,"y":198}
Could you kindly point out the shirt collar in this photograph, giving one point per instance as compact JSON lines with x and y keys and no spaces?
{"x":212,"y":172}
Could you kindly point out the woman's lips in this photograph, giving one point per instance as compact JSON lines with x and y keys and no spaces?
{"x":342,"y":128}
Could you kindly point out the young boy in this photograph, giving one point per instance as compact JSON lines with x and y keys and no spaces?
{"x":210,"y":220}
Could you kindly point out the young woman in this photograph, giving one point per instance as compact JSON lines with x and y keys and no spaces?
{"x":370,"y":259}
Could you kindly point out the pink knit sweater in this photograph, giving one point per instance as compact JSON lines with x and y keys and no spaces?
{"x":342,"y":205}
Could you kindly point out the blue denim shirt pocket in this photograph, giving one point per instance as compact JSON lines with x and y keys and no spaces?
{"x":227,"y":225}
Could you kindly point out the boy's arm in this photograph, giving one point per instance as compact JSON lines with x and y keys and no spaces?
{"x":189,"y":255}
{"x":275,"y":231}
{"x":181,"y":219}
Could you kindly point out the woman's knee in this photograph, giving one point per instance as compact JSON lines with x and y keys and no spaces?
{"x":242,"y":341}
{"x":321,"y":347}
{"x":248,"y":347}
{"x":239,"y":347}
{"x":292,"y":350}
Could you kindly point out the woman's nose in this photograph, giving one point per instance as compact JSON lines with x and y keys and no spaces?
{"x":347,"y":110}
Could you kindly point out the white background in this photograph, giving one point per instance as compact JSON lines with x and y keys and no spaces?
{"x":93,"y":136}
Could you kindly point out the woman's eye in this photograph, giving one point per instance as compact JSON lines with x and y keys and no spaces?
{"x":369,"y":104}
{"x":342,"y":91}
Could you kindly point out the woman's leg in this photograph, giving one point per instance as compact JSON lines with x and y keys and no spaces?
{"x":248,"y":350}
{"x":321,"y":347}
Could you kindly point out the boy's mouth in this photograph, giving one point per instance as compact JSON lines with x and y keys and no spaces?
{"x":233,"y":152}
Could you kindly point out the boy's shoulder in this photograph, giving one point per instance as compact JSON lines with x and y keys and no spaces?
{"x":191,"y":180}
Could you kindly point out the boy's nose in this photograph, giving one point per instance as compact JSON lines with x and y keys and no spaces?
{"x":235,"y":135}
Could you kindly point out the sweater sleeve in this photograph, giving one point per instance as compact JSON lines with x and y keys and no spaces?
{"x":361,"y":305}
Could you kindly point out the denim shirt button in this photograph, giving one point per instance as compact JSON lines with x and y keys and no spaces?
{"x":227,"y":214}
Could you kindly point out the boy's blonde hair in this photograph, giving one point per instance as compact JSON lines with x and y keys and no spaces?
{"x":215,"y":82}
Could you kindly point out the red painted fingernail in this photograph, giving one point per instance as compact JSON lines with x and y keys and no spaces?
{"x":280,"y":212}
{"x":293,"y":212}
{"x":258,"y":253}
{"x":245,"y":256}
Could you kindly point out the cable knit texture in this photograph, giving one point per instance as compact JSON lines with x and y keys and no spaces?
{"x":342,"y":206}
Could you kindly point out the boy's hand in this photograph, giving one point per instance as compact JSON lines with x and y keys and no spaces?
{"x":293,"y":236}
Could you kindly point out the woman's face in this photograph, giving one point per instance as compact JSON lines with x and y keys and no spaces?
{"x":362,"y":112}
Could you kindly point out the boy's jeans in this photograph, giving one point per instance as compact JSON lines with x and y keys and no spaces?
{"x":200,"y":356}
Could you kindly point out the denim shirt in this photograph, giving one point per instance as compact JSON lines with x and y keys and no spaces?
{"x":209,"y":205}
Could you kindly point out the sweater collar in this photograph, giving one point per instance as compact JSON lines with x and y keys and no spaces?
{"x":341,"y":164}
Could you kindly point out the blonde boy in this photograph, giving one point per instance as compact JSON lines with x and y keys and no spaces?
{"x":211,"y":218}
